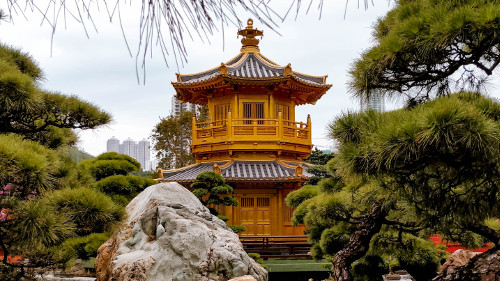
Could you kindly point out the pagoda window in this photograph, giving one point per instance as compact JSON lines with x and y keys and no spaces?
{"x":285,"y":109}
{"x":253,"y":110}
{"x":220,"y":113}
{"x":247,"y":202}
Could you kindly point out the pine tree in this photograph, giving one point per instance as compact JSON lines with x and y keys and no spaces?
{"x":36,"y":128}
{"x":404,"y":175}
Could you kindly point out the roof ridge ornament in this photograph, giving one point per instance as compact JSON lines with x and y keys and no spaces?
{"x":223,"y":69}
{"x":250,"y":43}
{"x":287,"y":71}
{"x":217,"y":169}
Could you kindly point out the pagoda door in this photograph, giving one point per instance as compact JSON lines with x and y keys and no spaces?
{"x":255,"y":214}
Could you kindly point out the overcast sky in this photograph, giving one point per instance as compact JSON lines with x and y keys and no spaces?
{"x":100,"y":70}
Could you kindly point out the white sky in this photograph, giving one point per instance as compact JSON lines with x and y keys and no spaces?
{"x":100,"y":70}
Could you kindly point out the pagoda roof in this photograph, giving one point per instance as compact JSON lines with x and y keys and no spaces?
{"x":250,"y":67}
{"x":238,"y":170}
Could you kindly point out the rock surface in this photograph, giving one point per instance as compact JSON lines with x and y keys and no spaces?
{"x":170,"y":235}
{"x":457,"y":259}
{"x":479,"y":267}
{"x":244,"y":278}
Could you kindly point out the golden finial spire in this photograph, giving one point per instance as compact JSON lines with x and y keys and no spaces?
{"x":249,"y":41}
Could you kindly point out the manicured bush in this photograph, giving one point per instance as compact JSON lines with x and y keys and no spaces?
{"x":84,"y":247}
{"x":127,"y":186}
{"x":89,"y":209}
{"x":110,"y":164}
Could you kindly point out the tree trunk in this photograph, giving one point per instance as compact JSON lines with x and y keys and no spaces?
{"x":358,"y":244}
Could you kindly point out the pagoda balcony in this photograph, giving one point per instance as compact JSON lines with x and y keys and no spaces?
{"x":252,"y":134}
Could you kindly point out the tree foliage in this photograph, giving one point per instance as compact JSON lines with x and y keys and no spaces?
{"x":209,"y":186}
{"x":110,"y":164}
{"x":36,"y":130}
{"x":211,"y":189}
{"x":426,"y":47}
{"x":344,"y":217}
{"x":112,"y":173}
{"x":318,"y":157}
{"x":35,"y":114}
{"x":83,"y":247}
{"x":442,"y":156}
{"x":400,"y":176}
{"x":126,"y":186}
{"x":89,"y":210}
{"x":172,"y":139}
{"x":319,"y":170}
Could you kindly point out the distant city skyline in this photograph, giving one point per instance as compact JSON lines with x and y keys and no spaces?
{"x":140,"y":151}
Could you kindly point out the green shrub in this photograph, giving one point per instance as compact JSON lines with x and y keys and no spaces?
{"x":237,"y":228}
{"x":101,"y":169}
{"x":110,"y":164}
{"x":27,"y":164}
{"x":125,"y":185}
{"x":223,"y":218}
{"x":118,"y":156}
{"x":89,"y":209}
{"x":83,"y":247}
{"x":256,"y":257}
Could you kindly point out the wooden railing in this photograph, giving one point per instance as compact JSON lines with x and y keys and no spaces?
{"x":251,"y":130}
{"x":277,"y":246}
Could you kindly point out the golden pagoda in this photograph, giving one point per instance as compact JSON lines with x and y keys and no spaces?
{"x":252,"y":138}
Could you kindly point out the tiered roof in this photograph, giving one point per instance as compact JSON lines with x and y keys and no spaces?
{"x":241,"y":171}
{"x":250,"y":67}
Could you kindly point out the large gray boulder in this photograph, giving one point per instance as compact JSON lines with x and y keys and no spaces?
{"x":464,"y":265}
{"x":170,"y":235}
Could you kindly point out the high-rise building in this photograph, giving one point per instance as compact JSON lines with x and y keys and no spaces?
{"x":140,"y":151}
{"x":178,"y":107}
{"x":113,"y":145}
{"x":151,"y":165}
{"x":129,"y":147}
{"x":143,"y":153}
{"x":375,"y":102}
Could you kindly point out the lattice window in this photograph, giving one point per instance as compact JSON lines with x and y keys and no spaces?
{"x":285,"y":109}
{"x":263,"y":202}
{"x":247,"y":202}
{"x":253,"y":110}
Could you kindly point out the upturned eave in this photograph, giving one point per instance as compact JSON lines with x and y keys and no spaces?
{"x":197,"y":92}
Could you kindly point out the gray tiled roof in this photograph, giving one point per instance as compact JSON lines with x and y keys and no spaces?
{"x":307,"y":78}
{"x":251,"y":66}
{"x":257,"y":170}
{"x":202,"y":76}
{"x":239,"y":170}
{"x":189,"y":173}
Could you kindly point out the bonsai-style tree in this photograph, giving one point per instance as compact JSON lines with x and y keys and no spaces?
{"x":211,"y":189}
